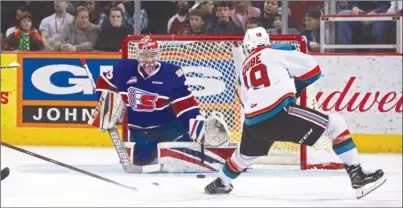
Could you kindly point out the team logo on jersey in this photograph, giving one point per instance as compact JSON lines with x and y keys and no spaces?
{"x":132,"y":80}
{"x":141,"y":100}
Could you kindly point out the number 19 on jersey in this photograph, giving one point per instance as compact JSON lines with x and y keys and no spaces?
{"x":255,"y":74}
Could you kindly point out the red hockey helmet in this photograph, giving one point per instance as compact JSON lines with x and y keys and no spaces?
{"x":148,"y":52}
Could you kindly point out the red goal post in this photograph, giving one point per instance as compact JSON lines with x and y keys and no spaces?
{"x":208,"y":65}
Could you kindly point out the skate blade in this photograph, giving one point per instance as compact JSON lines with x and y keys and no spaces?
{"x":365,"y":190}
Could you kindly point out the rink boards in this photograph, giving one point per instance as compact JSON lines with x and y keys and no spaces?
{"x":47,"y":100}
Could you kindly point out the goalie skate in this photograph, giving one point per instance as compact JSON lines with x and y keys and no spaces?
{"x":364,"y":183}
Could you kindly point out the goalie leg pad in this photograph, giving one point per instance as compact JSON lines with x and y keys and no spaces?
{"x":145,"y":151}
{"x":150,"y":167}
{"x":182,"y":157}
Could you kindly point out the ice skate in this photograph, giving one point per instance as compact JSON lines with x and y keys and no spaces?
{"x":364,"y":182}
{"x":217,"y":187}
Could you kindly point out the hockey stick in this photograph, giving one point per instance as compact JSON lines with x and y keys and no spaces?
{"x":202,"y":154}
{"x":11,"y":65}
{"x":5,"y":172}
{"x":124,"y":158}
{"x":65,"y":166}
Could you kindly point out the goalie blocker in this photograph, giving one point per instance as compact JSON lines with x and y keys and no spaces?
{"x":167,"y":148}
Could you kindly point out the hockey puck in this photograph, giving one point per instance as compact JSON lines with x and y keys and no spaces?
{"x":4,"y":173}
{"x":201,"y":176}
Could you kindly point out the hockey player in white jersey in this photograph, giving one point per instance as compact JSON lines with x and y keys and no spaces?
{"x":271,"y":81}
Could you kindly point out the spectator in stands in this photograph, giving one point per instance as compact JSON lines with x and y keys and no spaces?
{"x":253,"y":22}
{"x":345,"y":34}
{"x":208,"y":8}
{"x":18,"y":14}
{"x":25,"y":38}
{"x":143,"y":21}
{"x":269,"y":10}
{"x":197,"y":22}
{"x":71,"y":6}
{"x":243,"y":11}
{"x":80,"y":35}
{"x":395,"y":7}
{"x":128,"y":18}
{"x":178,"y":23}
{"x":312,"y":30}
{"x":96,"y":16}
{"x":53,"y":24}
{"x":224,"y":23}
{"x":277,"y":24}
{"x":111,"y":36}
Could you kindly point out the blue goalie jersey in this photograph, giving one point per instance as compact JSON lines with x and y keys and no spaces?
{"x":152,"y":100}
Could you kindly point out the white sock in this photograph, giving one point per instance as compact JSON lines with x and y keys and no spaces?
{"x":345,"y":149}
{"x":343,"y":145}
{"x":234,"y":166}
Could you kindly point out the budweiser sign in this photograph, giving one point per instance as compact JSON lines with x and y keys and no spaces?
{"x":349,"y":100}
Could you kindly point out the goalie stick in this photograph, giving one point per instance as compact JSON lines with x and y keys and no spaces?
{"x":5,"y":172}
{"x":65,"y":166}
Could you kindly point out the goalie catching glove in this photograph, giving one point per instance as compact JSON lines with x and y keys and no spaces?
{"x":212,"y":131}
{"x":109,"y":111}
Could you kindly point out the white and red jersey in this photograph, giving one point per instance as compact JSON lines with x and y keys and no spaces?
{"x":268,"y":80}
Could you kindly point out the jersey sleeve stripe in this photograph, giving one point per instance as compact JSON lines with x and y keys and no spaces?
{"x":314,"y":72}
{"x":186,"y":110}
{"x":181,"y":105}
{"x":125,"y":98}
{"x":104,"y":83}
{"x":162,"y":102}
{"x":181,"y":99}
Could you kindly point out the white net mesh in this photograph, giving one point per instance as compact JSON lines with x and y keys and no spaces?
{"x":210,"y":72}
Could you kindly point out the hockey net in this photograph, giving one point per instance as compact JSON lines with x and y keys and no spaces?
{"x":207,"y":62}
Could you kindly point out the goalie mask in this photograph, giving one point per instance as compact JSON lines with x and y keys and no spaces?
{"x":148,"y":54}
{"x":254,"y":38}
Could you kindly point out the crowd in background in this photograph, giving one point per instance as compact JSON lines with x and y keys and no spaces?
{"x":72,"y":26}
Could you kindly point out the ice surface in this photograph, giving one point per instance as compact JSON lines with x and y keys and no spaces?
{"x":33,"y":182}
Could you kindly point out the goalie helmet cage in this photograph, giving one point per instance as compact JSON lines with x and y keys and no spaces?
{"x":207,"y":62}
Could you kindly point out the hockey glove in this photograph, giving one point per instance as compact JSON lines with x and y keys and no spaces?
{"x":299,"y":88}
{"x":298,"y":93}
{"x":217,"y":131}
{"x":109,"y":111}
{"x":212,"y":131}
